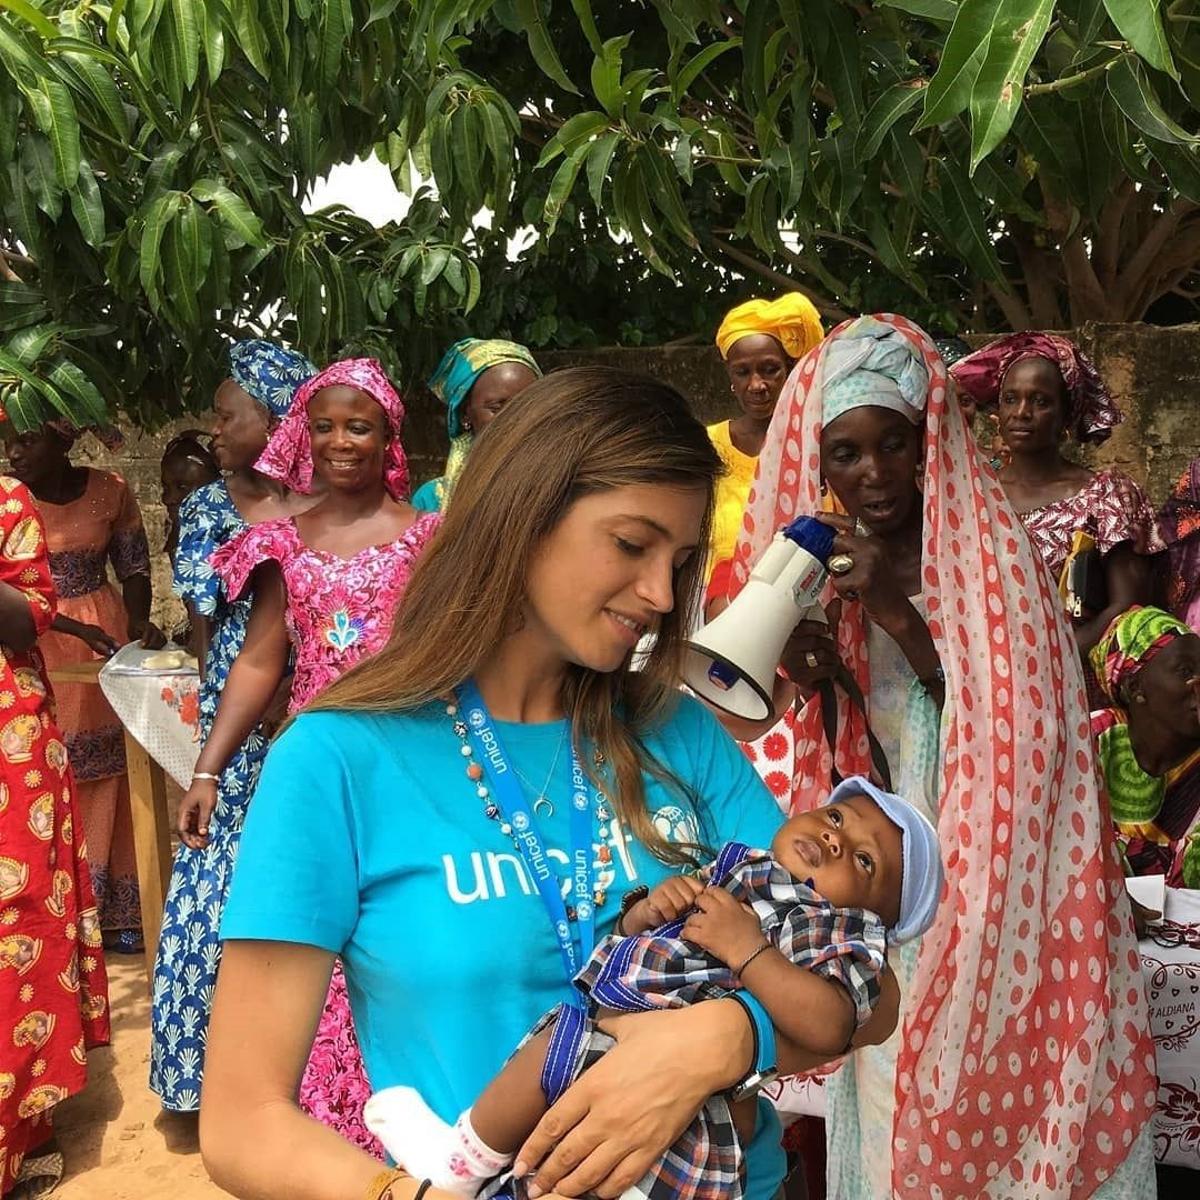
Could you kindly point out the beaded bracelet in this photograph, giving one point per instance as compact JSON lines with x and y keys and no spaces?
{"x":738,"y":973}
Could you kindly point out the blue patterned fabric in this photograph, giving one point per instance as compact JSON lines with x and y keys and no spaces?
{"x":269,"y":373}
{"x":189,"y":950}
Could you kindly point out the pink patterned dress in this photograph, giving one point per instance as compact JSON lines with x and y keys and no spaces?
{"x":1114,"y":510}
{"x":339,"y":610}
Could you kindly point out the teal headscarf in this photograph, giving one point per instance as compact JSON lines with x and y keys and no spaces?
{"x":463,"y":364}
{"x":869,"y":363}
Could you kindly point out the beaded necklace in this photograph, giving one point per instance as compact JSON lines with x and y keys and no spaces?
{"x":492,"y":811}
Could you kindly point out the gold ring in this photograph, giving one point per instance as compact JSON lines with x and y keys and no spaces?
{"x":811,"y":659}
{"x":841,"y":564}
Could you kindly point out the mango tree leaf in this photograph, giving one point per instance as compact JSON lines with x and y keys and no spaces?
{"x":433,"y":264}
{"x":38,"y":161}
{"x":29,"y":14}
{"x":582,"y":127}
{"x":241,"y":224}
{"x":68,"y":378}
{"x":950,"y":89}
{"x":1140,"y":23}
{"x":153,"y":228}
{"x":600,"y":157}
{"x":336,"y":22}
{"x":27,"y":346}
{"x":55,"y":113}
{"x":249,"y":34}
{"x":540,"y":44}
{"x":932,"y":10}
{"x":837,"y":38}
{"x":381,"y":10}
{"x":1130,"y":87}
{"x":606,"y":75}
{"x":1181,"y":165}
{"x":187,"y":36}
{"x":687,"y":74}
{"x":561,"y":185}
{"x":965,"y":220}
{"x":996,"y":96}
{"x":587,"y":22}
{"x":87,"y":205}
{"x":97,"y":82}
{"x":883,"y":114}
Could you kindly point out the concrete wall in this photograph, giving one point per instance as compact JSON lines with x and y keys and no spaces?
{"x":1153,"y":372}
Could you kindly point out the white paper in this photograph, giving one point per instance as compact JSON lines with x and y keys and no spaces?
{"x":130,"y":660}
{"x":1150,"y":891}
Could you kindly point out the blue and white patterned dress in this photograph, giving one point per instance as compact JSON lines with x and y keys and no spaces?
{"x":189,"y":949}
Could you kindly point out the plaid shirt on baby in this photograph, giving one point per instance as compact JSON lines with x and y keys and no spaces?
{"x":659,"y":969}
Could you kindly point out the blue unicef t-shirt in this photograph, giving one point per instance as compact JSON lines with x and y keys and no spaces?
{"x":366,"y":838}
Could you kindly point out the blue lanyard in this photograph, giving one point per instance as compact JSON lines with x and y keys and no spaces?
{"x":509,"y":798}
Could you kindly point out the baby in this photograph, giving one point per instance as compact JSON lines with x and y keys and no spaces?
{"x":803,"y":928}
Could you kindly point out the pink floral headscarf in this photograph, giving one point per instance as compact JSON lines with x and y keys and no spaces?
{"x":1092,"y":412}
{"x":288,"y":456}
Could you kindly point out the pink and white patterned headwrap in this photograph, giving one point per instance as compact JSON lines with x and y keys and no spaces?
{"x":288,"y":455}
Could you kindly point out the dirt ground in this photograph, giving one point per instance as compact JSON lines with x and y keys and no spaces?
{"x":117,"y":1142}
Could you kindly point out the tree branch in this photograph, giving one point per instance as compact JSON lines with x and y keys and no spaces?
{"x":763,"y":271}
{"x":1087,"y":298}
{"x":1140,"y":265}
{"x":1042,"y":283}
{"x":6,"y":271}
{"x":1106,"y":248}
{"x":1067,"y":81}
{"x":1015,"y":311}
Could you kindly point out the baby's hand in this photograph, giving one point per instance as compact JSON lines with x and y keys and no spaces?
{"x":670,"y":899}
{"x":724,"y":926}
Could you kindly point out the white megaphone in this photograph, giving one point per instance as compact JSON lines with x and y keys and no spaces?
{"x":731,"y":662}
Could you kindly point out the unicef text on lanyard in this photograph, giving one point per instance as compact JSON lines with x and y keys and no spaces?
{"x":507,"y":793}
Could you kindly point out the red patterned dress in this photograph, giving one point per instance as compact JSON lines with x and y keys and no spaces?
{"x":53,"y":989}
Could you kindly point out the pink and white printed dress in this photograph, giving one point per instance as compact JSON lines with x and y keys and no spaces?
{"x":339,"y":611}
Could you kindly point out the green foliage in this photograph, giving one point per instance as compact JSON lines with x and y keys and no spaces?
{"x":973,"y":163}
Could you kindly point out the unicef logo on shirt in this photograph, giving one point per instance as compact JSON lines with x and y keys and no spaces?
{"x":584,"y":911}
{"x":520,"y":822}
{"x":477,"y":718}
{"x":676,"y":824}
{"x":580,"y":801}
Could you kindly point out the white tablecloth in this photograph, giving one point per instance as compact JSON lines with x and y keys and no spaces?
{"x":160,"y":709}
{"x":1171,"y":963}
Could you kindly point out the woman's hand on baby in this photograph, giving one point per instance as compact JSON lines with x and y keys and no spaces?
{"x":724,"y":926}
{"x":669,"y":900}
{"x":618,"y":1119}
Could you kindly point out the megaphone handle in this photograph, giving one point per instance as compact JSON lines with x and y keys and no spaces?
{"x":829,"y":720}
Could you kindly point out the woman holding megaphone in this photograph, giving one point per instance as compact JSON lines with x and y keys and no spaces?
{"x":945,"y":620}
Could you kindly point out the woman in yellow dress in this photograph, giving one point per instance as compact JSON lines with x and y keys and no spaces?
{"x":759,"y":341}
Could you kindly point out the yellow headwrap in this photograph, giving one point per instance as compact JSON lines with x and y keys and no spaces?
{"x":791,"y":320}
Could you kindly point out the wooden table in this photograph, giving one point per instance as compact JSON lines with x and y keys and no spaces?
{"x":148,"y":809}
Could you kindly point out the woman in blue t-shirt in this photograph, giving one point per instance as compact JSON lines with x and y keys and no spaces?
{"x":459,"y":817}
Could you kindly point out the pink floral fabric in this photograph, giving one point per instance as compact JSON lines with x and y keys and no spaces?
{"x":288,"y":455}
{"x":339,"y":610}
{"x":1025,"y":1065}
{"x":1111,"y":507}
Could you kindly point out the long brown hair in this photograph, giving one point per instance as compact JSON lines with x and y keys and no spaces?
{"x":571,"y":434}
